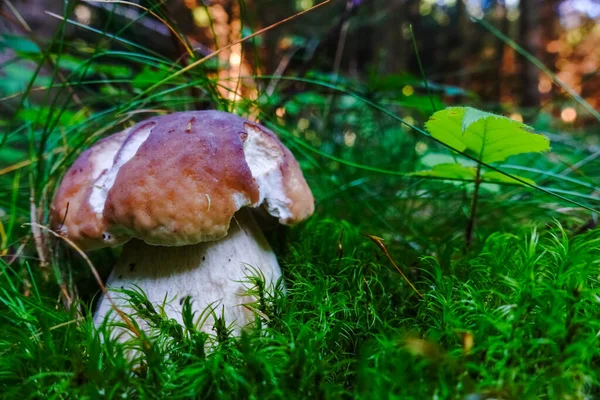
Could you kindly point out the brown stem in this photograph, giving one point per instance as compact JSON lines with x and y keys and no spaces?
{"x":473,"y":212}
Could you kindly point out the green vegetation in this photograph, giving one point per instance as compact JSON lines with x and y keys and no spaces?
{"x":506,"y":256}
{"x":349,"y":327}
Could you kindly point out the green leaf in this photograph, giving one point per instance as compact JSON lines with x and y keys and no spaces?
{"x":17,"y":76}
{"x":458,"y":171}
{"x":494,"y":176}
{"x":450,"y":171}
{"x":115,"y":71}
{"x":487,"y":137}
{"x":19,"y":44}
{"x":9,"y":155}
{"x":81,"y":66}
{"x":40,"y":113}
{"x":310,"y":99}
{"x":448,"y":90}
{"x":430,"y":160}
{"x":148,"y":77}
{"x":417,"y":102}
{"x":395,"y":82}
{"x":74,"y":64}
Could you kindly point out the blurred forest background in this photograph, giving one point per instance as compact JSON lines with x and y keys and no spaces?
{"x":364,"y":40}
{"x":533,"y":61}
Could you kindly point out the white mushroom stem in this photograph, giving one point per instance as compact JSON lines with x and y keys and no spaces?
{"x":213,"y":274}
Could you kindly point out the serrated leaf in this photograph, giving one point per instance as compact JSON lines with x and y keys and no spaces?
{"x":430,"y":160}
{"x":458,"y":171}
{"x":493,"y":176}
{"x":487,"y":137}
{"x":450,"y":171}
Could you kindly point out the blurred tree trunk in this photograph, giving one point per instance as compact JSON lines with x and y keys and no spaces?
{"x":503,"y":25}
{"x":550,"y":28}
{"x":387,"y":39}
{"x":467,"y":51}
{"x":529,"y":40}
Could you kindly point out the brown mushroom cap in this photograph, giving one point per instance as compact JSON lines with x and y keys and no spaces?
{"x":176,"y":180}
{"x":71,"y":211}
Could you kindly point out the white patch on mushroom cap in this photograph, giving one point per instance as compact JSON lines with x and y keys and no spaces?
{"x":240,"y":200}
{"x":102,"y":159}
{"x":265,"y":157}
{"x":106,"y":179}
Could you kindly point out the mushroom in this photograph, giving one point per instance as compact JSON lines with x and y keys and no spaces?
{"x":177,"y":191}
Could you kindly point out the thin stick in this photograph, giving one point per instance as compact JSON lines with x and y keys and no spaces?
{"x":37,"y":234}
{"x":473,"y":212}
{"x":18,"y":252}
{"x":379,"y":242}
{"x":105,"y":292}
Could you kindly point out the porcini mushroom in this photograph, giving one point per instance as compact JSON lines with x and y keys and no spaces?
{"x":177,"y":191}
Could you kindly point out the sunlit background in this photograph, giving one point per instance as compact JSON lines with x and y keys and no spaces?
{"x":563,"y":35}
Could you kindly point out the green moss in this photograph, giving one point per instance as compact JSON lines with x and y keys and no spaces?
{"x":348,"y":327}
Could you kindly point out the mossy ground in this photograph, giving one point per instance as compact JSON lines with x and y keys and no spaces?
{"x":518,"y":318}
